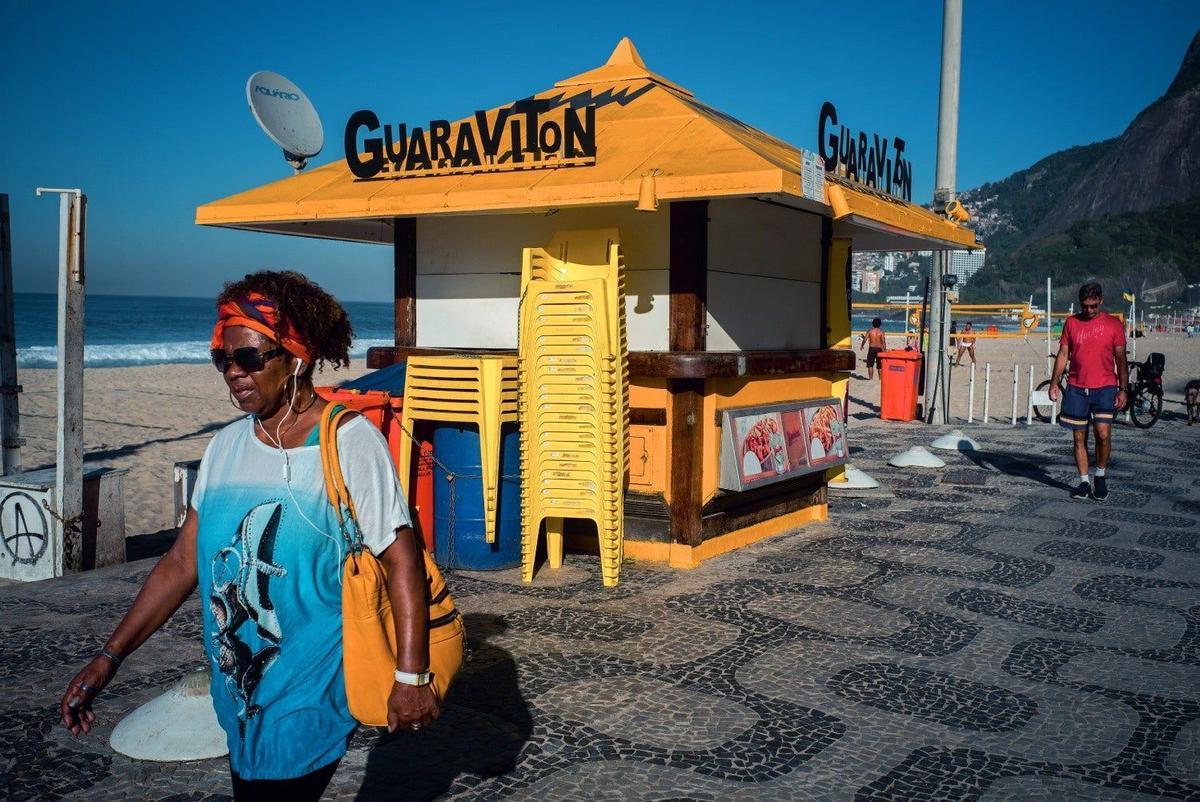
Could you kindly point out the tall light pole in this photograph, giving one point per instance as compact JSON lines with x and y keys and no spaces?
{"x":937,"y":357}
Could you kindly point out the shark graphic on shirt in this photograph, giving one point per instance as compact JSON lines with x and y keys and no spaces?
{"x":241,"y":592}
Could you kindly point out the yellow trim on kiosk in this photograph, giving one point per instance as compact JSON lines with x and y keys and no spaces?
{"x":677,"y":555}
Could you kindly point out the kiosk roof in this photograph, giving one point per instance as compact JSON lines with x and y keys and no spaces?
{"x":645,"y":125}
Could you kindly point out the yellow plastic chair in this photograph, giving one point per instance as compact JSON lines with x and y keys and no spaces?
{"x":574,"y":394}
{"x":471,"y":389}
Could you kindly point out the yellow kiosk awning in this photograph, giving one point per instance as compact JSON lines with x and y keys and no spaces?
{"x":876,"y":221}
{"x":645,"y":126}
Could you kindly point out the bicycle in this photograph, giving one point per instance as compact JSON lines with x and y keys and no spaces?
{"x":1143,"y":393}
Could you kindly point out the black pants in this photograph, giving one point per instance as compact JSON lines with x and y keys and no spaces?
{"x":298,"y":789}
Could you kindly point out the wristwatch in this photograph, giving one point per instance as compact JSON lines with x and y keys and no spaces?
{"x":420,"y":679}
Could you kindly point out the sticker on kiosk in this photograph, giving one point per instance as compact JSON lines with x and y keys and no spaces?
{"x":762,"y":445}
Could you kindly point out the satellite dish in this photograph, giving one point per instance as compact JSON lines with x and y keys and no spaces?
{"x":286,"y":115}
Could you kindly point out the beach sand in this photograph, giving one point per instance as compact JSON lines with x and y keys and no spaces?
{"x":1182,"y":355}
{"x":146,"y":419}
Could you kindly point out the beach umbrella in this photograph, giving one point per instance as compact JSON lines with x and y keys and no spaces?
{"x":177,"y":725}
{"x":916,"y":457}
{"x":955,"y":440}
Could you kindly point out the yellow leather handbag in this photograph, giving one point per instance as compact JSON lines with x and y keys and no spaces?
{"x":368,"y":630}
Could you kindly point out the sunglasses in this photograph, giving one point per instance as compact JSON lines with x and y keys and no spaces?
{"x":249,"y":359}
{"x":1095,"y":305}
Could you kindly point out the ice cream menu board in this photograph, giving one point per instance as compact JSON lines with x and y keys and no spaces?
{"x":761,"y":445}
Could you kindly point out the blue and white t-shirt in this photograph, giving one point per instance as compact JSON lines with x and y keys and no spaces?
{"x":269,"y":558}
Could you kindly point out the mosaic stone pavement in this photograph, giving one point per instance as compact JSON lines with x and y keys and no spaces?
{"x":965,"y":633}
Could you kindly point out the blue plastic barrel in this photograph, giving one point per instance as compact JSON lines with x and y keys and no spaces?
{"x":458,"y":525}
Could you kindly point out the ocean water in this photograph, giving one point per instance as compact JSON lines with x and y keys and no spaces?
{"x":120,"y":330}
{"x":139,"y":330}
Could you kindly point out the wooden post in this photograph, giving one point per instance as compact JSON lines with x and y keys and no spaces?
{"x":10,"y":427}
{"x":688,"y":317}
{"x":68,"y":476}
{"x":404,"y":264}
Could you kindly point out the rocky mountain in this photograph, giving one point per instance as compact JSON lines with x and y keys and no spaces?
{"x":1126,"y":210}
{"x":1156,"y":161}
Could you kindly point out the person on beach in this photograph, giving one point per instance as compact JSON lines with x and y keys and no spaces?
{"x":262,"y":543}
{"x":966,"y":342}
{"x":1094,"y":344}
{"x":953,"y":333}
{"x":876,"y":341}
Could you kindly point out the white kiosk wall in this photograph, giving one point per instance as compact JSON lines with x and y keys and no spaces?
{"x":764,"y":277}
{"x":469,"y":273}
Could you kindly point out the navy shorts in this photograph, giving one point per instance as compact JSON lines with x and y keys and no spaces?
{"x":873,"y":357}
{"x":1080,"y":404}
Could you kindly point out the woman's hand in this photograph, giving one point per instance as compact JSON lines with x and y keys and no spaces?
{"x":411,"y":707}
{"x":76,"y":706}
{"x":170,"y":582}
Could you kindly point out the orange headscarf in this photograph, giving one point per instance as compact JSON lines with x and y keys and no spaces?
{"x":257,"y":311}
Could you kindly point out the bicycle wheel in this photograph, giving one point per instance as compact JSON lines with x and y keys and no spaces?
{"x":1043,"y":411}
{"x":1144,"y":407}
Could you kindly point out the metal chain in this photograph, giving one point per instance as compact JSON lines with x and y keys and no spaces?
{"x":451,"y":478}
{"x":71,"y":523}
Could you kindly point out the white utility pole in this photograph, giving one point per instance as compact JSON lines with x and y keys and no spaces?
{"x":68,"y":496}
{"x":937,"y":375}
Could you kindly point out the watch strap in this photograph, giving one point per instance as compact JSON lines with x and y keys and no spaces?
{"x":419,"y":679}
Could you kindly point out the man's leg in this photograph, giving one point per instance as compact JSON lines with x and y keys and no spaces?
{"x":1103,"y":445}
{"x":1103,"y":449}
{"x":1081,"y":451}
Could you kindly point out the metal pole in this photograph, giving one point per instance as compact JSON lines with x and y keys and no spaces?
{"x":943,"y":193}
{"x":1029,"y":411}
{"x":10,"y":418}
{"x":1016,"y":371}
{"x":971,"y":395}
{"x":1049,"y":328}
{"x":987,"y":388}
{"x":68,"y":499}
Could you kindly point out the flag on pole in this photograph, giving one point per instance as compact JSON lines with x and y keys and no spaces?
{"x":1128,"y":295}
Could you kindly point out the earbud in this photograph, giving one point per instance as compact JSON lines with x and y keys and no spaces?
{"x":299,"y":367}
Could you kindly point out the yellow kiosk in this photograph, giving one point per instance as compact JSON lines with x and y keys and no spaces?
{"x":735,"y":249}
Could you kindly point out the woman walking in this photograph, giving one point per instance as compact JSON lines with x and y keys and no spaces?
{"x":263,"y":545}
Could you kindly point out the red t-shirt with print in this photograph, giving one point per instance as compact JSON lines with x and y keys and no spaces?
{"x":1092,"y":344}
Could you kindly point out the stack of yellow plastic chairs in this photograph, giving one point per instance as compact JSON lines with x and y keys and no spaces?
{"x":470,"y":389}
{"x":574,"y":398}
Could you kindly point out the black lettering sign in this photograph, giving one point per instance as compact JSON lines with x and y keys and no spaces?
{"x":873,"y":160}
{"x":529,"y":133}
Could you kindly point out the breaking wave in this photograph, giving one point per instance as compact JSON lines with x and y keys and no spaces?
{"x":130,"y":355}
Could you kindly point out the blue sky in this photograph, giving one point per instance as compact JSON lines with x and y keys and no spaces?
{"x":143,"y":104}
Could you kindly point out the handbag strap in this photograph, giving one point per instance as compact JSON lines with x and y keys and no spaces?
{"x":335,"y":482}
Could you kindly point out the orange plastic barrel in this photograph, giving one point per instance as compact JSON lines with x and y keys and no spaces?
{"x":898,"y":372}
{"x":384,"y":411}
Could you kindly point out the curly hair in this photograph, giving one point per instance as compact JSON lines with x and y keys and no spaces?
{"x":316,"y":315}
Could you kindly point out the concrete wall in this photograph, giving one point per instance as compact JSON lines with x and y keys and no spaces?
{"x":764,"y":277}
{"x":469,"y":273}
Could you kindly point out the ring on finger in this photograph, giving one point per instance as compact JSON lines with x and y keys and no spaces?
{"x":84,"y":687}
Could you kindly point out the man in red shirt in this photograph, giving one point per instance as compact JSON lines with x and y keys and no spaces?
{"x":1094,"y":343}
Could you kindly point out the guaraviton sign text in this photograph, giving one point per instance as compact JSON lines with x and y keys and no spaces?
{"x":869,"y":159}
{"x":528,"y":134}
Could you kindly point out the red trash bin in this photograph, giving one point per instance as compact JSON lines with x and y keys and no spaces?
{"x":898,"y":372}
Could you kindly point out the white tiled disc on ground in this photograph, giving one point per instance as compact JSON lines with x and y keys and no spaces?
{"x":855,"y":480}
{"x":916,"y":457}
{"x":955,"y":440}
{"x":178,"y":725}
